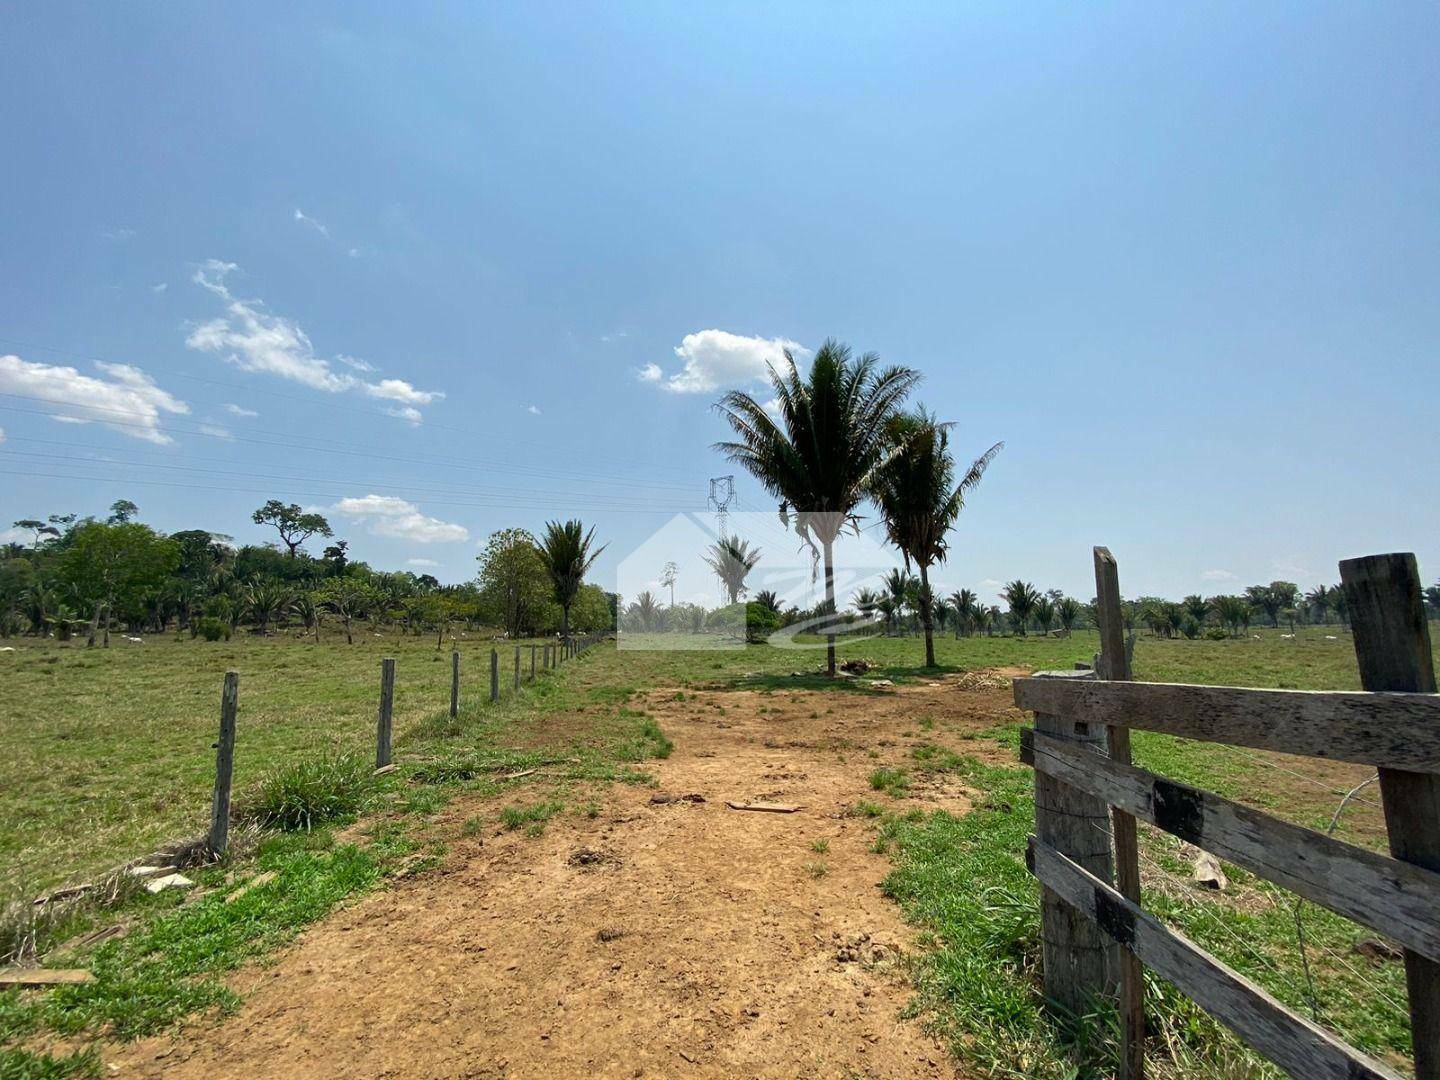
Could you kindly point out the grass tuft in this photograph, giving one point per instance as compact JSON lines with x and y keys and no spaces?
{"x":311,"y":791}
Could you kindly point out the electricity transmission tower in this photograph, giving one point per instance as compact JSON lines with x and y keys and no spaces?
{"x":722,"y":498}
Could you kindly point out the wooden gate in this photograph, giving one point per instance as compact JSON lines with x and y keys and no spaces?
{"x":1096,"y":934}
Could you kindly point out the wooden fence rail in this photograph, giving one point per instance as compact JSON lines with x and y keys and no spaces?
{"x":1082,"y":770}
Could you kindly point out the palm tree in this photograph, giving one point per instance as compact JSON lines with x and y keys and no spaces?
{"x":866,"y":602}
{"x":1318,"y":601}
{"x":566,"y":553}
{"x":308,"y":611}
{"x":963,"y":603}
{"x":1339,"y":604}
{"x":265,"y":601}
{"x":820,"y":457}
{"x":920,"y":500}
{"x":1197,"y":607}
{"x":898,"y":590}
{"x":1022,"y":597}
{"x":1044,"y":614}
{"x":732,"y":559}
{"x":1068,"y":612}
{"x":768,"y":598}
{"x":646,"y":610}
{"x":1233,"y":611}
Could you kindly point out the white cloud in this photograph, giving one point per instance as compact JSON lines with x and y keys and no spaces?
{"x":428,"y":564}
{"x":306,"y":219}
{"x":772,"y":406}
{"x":15,"y":536}
{"x":1218,"y":575}
{"x":215,"y":431}
{"x":407,"y":413}
{"x":160,"y":287}
{"x":240,"y":411}
{"x":117,"y":235}
{"x":355,"y":363}
{"x":388,"y":515}
{"x":533,"y":410}
{"x":354,"y":253}
{"x":254,"y":340}
{"x":718,"y":358}
{"x":619,"y":335}
{"x":2,"y":434}
{"x":124,"y":398}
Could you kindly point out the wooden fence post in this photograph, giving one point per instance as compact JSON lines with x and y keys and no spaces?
{"x":1074,"y":952}
{"x":517,"y":667}
{"x":387,"y":705}
{"x":1392,"y":645}
{"x":494,"y":675}
{"x":224,"y":764}
{"x":455,"y":684}
{"x":1115,"y":665}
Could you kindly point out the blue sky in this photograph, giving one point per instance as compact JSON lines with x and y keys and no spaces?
{"x":486,"y":265}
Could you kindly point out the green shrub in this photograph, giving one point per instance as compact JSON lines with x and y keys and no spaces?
{"x":1215,"y":633}
{"x":310,"y":791}
{"x":760,"y":622}
{"x":212,"y":629}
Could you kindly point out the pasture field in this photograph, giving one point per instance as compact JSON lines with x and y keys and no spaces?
{"x":109,"y":754}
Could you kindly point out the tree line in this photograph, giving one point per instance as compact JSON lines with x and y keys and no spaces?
{"x":89,"y":576}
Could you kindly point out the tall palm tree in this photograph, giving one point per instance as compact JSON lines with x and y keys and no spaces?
{"x":963,"y":603}
{"x":1068,"y":612}
{"x":920,"y":500}
{"x":866,"y":602}
{"x":899,"y":587}
{"x":732,"y":559}
{"x":1197,"y":607}
{"x":1021,"y":596}
{"x":1044,"y":614}
{"x":820,"y":456}
{"x":1318,"y":601}
{"x":768,"y":598}
{"x":566,"y":553}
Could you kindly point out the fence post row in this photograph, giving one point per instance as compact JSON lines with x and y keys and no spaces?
{"x":387,"y":704}
{"x":224,"y":765}
{"x":455,"y":684}
{"x":1394,"y":725}
{"x":1386,"y":604}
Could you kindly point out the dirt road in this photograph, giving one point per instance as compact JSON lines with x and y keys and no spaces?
{"x":666,"y":936}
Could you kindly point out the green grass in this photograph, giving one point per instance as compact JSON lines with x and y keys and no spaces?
{"x":121,"y":742}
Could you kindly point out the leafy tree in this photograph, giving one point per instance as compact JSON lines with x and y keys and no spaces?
{"x":307,"y":609}
{"x":1022,"y":598}
{"x":732,"y":559}
{"x":566,"y":555}
{"x":1272,"y":599}
{"x":920,"y":499}
{"x":293,"y":524}
{"x":770,"y":599}
{"x":39,"y":528}
{"x":348,"y":597}
{"x":108,"y":565}
{"x":1339,"y":603}
{"x":899,"y":588}
{"x":820,"y":457}
{"x":122,"y":511}
{"x":515,"y":586}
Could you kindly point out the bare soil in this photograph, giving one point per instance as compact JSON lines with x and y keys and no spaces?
{"x":666,"y":936}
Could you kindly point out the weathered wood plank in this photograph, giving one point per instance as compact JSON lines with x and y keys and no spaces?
{"x":385,"y":713}
{"x":764,"y":807}
{"x":1289,"y":1040}
{"x":1400,"y":730}
{"x":1115,"y":664}
{"x":1396,"y":898}
{"x":1383,"y":594}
